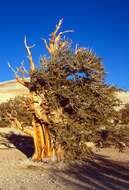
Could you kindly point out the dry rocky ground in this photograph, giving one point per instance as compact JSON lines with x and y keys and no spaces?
{"x":109,"y":169}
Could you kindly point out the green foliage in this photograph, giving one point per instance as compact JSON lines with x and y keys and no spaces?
{"x":73,"y":82}
{"x":16,"y":107}
{"x":124,"y":114}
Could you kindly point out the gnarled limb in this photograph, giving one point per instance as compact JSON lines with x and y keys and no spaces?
{"x":38,"y":105}
{"x":21,"y":70}
{"x":16,"y":123}
{"x":56,"y":42}
{"x":32,"y":65}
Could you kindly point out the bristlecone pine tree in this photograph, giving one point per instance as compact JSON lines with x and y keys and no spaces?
{"x":69,"y":100}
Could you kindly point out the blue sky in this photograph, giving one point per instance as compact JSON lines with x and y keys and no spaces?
{"x":102,"y":25}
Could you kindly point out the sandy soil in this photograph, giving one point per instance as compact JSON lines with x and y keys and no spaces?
{"x":108,"y":170}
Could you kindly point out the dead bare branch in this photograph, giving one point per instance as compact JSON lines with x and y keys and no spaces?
{"x":55,"y":42}
{"x":32,"y":65}
{"x":19,"y":70}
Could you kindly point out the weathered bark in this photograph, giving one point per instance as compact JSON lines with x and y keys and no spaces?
{"x":42,"y":140}
{"x":40,"y":134}
{"x":40,"y":122}
{"x":17,"y":124}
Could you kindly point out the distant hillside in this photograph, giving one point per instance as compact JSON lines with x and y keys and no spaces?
{"x":10,"y":89}
{"x":123,"y":97}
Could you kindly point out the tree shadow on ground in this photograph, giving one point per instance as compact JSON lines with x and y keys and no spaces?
{"x":23,"y":143}
{"x":100,"y":174}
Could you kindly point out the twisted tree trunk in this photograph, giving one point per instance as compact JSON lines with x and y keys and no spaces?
{"x":40,"y":122}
